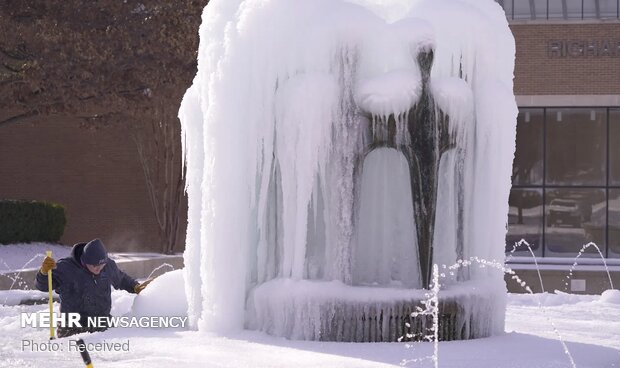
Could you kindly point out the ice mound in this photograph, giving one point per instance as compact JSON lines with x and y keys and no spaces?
{"x":611,"y":296}
{"x":164,"y":297}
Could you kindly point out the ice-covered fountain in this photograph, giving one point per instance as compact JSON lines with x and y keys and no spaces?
{"x":336,"y":150}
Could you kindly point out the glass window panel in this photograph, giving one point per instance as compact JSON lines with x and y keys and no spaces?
{"x":540,"y":7}
{"x":565,"y":9}
{"x":528,"y":163}
{"x":608,"y":8}
{"x":614,"y":147}
{"x":591,"y":9}
{"x":522,"y":9}
{"x":507,"y":5}
{"x":573,"y":218}
{"x":576,"y":146}
{"x":525,"y":219}
{"x":574,"y":9}
{"x":556,"y":9}
{"x":614,"y":223}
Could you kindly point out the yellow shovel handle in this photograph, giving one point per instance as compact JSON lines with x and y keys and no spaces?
{"x":51,"y":301}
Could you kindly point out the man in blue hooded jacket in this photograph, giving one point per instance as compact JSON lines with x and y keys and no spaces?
{"x":83,"y":281}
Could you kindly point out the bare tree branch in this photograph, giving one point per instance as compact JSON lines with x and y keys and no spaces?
{"x":18,"y":118}
{"x":19,"y":54}
{"x":105,"y":63}
{"x":11,"y":81}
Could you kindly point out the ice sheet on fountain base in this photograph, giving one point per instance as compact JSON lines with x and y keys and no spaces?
{"x":306,"y":309}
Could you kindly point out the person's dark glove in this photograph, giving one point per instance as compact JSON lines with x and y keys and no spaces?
{"x":139,"y":287}
{"x":48,"y":264}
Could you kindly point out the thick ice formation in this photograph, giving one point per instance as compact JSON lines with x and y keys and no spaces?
{"x":334,"y":311}
{"x":291,"y":97}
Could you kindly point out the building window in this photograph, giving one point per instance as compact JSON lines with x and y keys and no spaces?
{"x":574,"y":217}
{"x":614,"y":223}
{"x":525,"y":220}
{"x":560,"y":9}
{"x":566,"y":182}
{"x":528,"y":165}
{"x":614,"y":146}
{"x":576,"y":146}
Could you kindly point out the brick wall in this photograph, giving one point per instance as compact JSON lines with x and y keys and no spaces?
{"x":95,"y":174}
{"x":539,"y":73}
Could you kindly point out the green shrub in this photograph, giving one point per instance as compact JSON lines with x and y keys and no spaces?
{"x":31,"y":221}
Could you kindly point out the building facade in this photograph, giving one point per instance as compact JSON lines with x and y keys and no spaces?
{"x":566,"y":173}
{"x":94,"y":173}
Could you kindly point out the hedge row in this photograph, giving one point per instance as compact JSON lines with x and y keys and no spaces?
{"x":30,"y":221}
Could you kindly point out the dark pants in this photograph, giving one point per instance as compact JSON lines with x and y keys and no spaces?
{"x":68,"y":331}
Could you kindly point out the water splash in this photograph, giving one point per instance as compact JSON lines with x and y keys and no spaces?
{"x":8,"y":268}
{"x":431,"y":305}
{"x":583,"y":249}
{"x":17,"y":277}
{"x":522,"y":242}
{"x":435,"y":309}
{"x":21,"y":269}
{"x":160,"y":267}
{"x":511,"y":254}
{"x":524,"y":285}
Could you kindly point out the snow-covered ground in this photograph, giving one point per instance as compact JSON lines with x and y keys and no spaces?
{"x":590,"y":325}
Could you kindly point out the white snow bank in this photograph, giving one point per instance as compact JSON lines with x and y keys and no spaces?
{"x":558,"y":298}
{"x":578,"y":318}
{"x":164,"y":297}
{"x":15,"y":297}
{"x":611,"y":296}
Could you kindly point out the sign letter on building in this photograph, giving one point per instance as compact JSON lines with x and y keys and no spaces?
{"x":583,"y":48}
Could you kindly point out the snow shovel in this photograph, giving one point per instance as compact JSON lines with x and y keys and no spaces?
{"x":51,"y":301}
{"x":84,"y":353}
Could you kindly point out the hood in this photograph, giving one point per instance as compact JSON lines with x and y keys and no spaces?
{"x":76,"y":253}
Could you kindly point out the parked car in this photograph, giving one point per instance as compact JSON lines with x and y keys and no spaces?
{"x":567,"y":212}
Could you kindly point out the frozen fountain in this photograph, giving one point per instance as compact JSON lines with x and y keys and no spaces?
{"x":336,"y":151}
